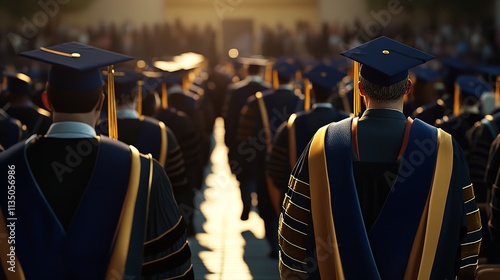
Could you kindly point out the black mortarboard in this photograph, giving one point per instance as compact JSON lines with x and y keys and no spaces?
{"x":18,"y":82}
{"x":285,"y":68}
{"x":324,"y":76}
{"x":385,"y":61}
{"x":126,"y":80}
{"x":75,"y":66}
{"x":471,"y":86}
{"x":425,"y":74}
{"x":254,"y":60}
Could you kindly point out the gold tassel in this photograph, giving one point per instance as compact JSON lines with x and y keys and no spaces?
{"x":139,"y":97}
{"x":269,"y":73}
{"x":456,"y":101}
{"x":276,"y":83}
{"x":164,"y":96}
{"x":356,"y":110}
{"x":307,"y":94}
{"x":112,"y":123}
{"x":298,"y":75}
{"x":185,"y":82}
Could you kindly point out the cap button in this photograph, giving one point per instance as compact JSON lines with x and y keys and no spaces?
{"x":323,"y":74}
{"x":385,"y":52}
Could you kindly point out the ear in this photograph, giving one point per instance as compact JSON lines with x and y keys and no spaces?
{"x":361,"y":90}
{"x":410,"y":84}
{"x":100,"y":102}
{"x":45,"y":101}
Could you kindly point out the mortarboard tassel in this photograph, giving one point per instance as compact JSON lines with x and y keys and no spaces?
{"x":185,"y":82}
{"x":139,"y":97}
{"x":164,"y":96}
{"x":307,"y":94}
{"x":276,"y":83}
{"x":356,"y":110}
{"x":456,"y":100}
{"x":298,"y":75}
{"x":112,"y":123}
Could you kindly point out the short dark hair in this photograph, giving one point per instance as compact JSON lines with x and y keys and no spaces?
{"x":64,"y":101}
{"x":321,"y":94}
{"x":253,"y":69}
{"x":125,"y":96}
{"x":384,"y":93}
{"x":284,"y":80}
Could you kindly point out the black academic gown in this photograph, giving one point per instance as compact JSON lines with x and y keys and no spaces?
{"x":236,"y":98}
{"x":37,"y":120}
{"x":70,"y":178}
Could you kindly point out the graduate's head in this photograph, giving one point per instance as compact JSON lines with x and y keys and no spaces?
{"x":382,"y":94}
{"x":383,"y":75}
{"x":75,"y":83}
{"x":126,"y":85}
{"x":285,"y":70}
{"x":324,"y":80}
{"x":18,"y":83}
{"x":254,"y":65}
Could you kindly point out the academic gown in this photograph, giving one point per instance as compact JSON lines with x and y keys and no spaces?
{"x":145,"y":134}
{"x":37,"y":120}
{"x":11,"y":130}
{"x":236,"y":98}
{"x":305,"y":125}
{"x":376,"y":203}
{"x":70,"y":192}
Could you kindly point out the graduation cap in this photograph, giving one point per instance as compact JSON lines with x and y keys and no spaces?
{"x":323,"y":77}
{"x":127,"y":83}
{"x":425,"y":74}
{"x":254,"y":60}
{"x":469,"y":88}
{"x":385,"y":61}
{"x":173,"y":73}
{"x":285,"y":68}
{"x":259,"y":61}
{"x":493,"y":73}
{"x":18,"y":82}
{"x":75,"y":67}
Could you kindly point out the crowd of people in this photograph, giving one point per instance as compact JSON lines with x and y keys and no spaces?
{"x":475,"y":41}
{"x":398,"y":181}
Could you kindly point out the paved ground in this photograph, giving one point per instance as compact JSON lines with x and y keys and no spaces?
{"x":226,"y":247}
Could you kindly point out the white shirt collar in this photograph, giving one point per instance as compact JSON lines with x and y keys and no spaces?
{"x":70,"y":130}
{"x":255,"y":78}
{"x":127,"y":114}
{"x":285,"y":86}
{"x":322,"y":105}
{"x":175,"y":89}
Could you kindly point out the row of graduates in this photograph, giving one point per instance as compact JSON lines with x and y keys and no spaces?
{"x":268,"y":125}
{"x":90,"y":207}
{"x":163,"y":107}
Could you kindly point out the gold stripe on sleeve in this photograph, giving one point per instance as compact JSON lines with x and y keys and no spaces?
{"x":330,"y":267}
{"x":119,"y":255}
{"x":292,"y":141}
{"x":437,"y":202}
{"x":164,"y":144}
